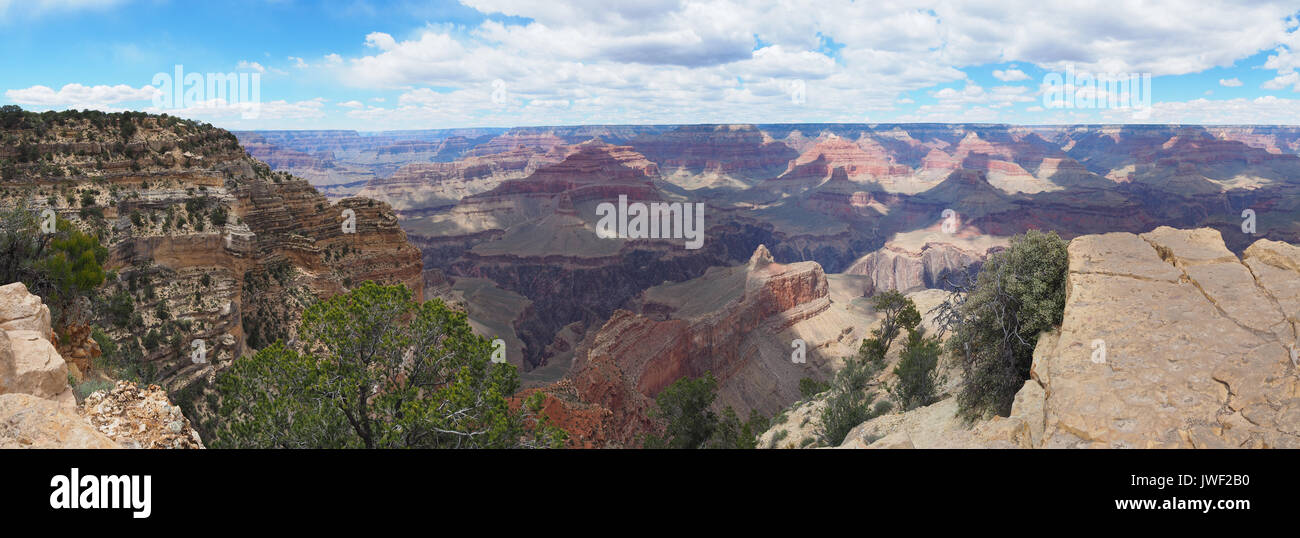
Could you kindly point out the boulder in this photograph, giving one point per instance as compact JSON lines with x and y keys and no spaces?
{"x":22,"y":311}
{"x":29,"y":364}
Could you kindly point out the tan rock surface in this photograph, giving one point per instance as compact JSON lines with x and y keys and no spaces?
{"x":1197,"y":354}
{"x":36,"y":367}
{"x":1196,"y":345}
{"x":27,"y":421}
{"x":22,"y":311}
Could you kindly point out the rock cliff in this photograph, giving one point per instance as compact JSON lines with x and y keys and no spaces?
{"x":739,"y":323}
{"x":205,"y":243}
{"x":1169,"y":340}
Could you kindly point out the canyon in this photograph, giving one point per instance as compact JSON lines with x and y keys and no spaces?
{"x":506,"y":222}
{"x":224,"y":238}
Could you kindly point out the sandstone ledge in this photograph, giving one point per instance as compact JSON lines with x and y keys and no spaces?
{"x":1198,"y":353}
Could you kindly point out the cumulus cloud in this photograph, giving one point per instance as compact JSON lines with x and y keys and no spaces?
{"x":1260,"y":110}
{"x":1010,"y":75}
{"x":659,"y":58}
{"x":1281,"y":82}
{"x":1230,"y":82}
{"x":663,"y":61}
{"x":80,"y":96}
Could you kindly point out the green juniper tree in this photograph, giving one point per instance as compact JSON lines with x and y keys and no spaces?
{"x":995,"y":321}
{"x":378,"y":370}
{"x":685,"y":408}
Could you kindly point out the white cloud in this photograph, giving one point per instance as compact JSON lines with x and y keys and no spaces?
{"x":730,"y":60}
{"x":1284,"y":61}
{"x":664,"y":61}
{"x":381,"y":41}
{"x":1280,"y":82}
{"x":233,"y":113}
{"x":1010,"y":75}
{"x":1230,"y":82}
{"x":1265,"y":110}
{"x":250,"y":66}
{"x":80,"y":96}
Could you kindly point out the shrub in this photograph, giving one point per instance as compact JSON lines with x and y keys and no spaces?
{"x":689,"y":422}
{"x":917,"y":370}
{"x":120,"y":308}
{"x":809,"y":387}
{"x":70,"y":268}
{"x":219,"y":215}
{"x":1018,"y":293}
{"x":378,"y":370}
{"x":851,"y":402}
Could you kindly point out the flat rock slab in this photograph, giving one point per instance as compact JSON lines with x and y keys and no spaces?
{"x":27,"y":421}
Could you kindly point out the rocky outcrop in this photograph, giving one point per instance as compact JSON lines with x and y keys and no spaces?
{"x":29,"y":364}
{"x":139,"y":418}
{"x":737,"y":323}
{"x":900,"y":265}
{"x":22,"y":311}
{"x":1169,"y":340}
{"x":1197,"y":345}
{"x":28,"y":421}
{"x":39,"y":410}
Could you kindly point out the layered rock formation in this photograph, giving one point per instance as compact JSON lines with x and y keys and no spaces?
{"x":423,"y":188}
{"x":923,"y":259}
{"x":868,"y":200}
{"x":208,"y":244}
{"x":737,"y":323}
{"x":1169,"y":340}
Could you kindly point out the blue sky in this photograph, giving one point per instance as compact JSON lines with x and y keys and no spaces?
{"x":409,"y":65}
